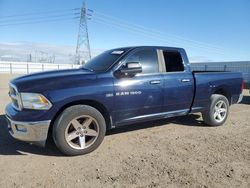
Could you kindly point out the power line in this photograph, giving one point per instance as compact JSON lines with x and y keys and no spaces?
{"x":40,"y":21}
{"x":158,"y":38}
{"x":39,"y":13}
{"x":83,"y":47}
{"x":152,"y":30}
{"x":156,"y":35}
{"x":106,"y":17}
{"x":148,"y":34}
{"x":38,"y":18}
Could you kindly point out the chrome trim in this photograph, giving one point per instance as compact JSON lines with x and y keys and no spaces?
{"x":185,"y":80}
{"x":240,"y":98}
{"x":162,"y":114}
{"x":16,"y":97}
{"x":155,"y":82}
{"x":34,"y":132}
{"x":13,"y":96}
{"x":111,"y":123}
{"x":197,"y":109}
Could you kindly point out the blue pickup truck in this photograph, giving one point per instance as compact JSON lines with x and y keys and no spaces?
{"x":119,"y":87}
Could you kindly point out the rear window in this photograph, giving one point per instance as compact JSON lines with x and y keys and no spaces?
{"x":173,"y":61}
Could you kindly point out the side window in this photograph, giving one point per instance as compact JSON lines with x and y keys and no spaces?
{"x":147,"y":58}
{"x":173,"y":61}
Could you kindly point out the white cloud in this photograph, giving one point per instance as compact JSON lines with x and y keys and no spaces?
{"x":23,"y":51}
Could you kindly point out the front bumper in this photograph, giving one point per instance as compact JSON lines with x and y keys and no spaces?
{"x":32,"y":132}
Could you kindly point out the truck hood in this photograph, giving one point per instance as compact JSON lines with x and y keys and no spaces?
{"x":50,"y":80}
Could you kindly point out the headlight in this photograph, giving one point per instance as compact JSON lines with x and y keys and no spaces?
{"x":35,"y":101}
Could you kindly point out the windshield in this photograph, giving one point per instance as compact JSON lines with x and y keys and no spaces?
{"x":103,"y":61}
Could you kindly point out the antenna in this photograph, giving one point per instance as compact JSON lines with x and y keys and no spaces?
{"x":83,"y":53}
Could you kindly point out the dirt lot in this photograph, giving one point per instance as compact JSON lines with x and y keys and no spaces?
{"x":178,"y":152}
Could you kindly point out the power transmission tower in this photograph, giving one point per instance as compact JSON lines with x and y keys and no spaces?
{"x":83,"y":53}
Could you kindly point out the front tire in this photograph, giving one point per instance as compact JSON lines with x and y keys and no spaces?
{"x":79,"y":130}
{"x":217,"y":112}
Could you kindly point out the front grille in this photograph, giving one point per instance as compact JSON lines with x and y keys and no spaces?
{"x":12,"y":90}
{"x":14,"y":95}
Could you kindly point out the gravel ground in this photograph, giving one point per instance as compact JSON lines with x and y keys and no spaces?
{"x":177,"y":152}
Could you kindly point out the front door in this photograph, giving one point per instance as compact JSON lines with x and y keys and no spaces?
{"x":139,"y":97}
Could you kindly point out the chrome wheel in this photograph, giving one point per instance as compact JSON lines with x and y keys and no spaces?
{"x":220,"y":111}
{"x":82,"y":132}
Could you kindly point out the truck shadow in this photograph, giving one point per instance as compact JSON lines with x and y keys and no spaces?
{"x":190,"y":120}
{"x":10,"y":146}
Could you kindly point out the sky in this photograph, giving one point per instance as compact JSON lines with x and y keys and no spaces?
{"x":209,"y":30}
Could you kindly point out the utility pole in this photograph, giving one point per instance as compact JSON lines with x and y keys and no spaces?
{"x":83,"y":53}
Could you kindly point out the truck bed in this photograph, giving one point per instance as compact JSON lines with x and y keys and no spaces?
{"x":220,"y":82}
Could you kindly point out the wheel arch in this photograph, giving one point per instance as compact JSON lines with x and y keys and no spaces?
{"x":95,"y":104}
{"x":225,"y":92}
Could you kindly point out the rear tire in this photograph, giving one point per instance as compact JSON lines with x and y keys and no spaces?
{"x":79,"y":130}
{"x":217,"y":112}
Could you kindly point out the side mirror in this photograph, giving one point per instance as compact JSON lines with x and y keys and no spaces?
{"x":130,"y":69}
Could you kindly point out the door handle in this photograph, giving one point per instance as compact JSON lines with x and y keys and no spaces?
{"x":185,"y":80}
{"x":155,"y":82}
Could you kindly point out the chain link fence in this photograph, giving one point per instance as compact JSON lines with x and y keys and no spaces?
{"x":243,"y":67}
{"x":26,"y":68}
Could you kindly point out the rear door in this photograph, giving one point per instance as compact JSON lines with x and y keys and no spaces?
{"x":178,"y":83}
{"x":141,"y":96}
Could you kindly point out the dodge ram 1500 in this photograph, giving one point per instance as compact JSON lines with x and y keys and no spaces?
{"x":119,"y":87}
